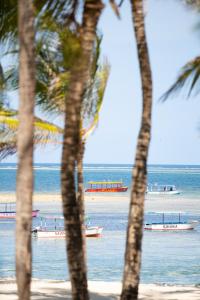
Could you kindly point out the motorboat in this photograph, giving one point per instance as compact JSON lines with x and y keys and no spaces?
{"x":106,"y":186}
{"x":94,"y":231}
{"x":57,"y":229}
{"x":8,"y":211}
{"x":166,"y":225}
{"x":165,"y":189}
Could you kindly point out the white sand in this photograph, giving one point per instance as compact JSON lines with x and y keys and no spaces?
{"x":112,"y":203}
{"x":99,"y":290}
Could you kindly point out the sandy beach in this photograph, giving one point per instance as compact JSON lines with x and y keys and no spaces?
{"x":99,"y":290}
{"x":49,"y":202}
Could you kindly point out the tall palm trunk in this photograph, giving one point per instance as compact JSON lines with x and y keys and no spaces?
{"x":71,"y":145}
{"x":25,"y":149}
{"x":136,"y":210}
{"x":80,"y":195}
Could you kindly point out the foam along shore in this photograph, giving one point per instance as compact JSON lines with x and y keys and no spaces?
{"x":99,"y":290}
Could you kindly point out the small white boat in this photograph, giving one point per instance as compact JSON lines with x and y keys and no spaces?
{"x":8,"y":210}
{"x":171,"y":226}
{"x":44,"y":231}
{"x":156,"y":189}
{"x":94,"y":231}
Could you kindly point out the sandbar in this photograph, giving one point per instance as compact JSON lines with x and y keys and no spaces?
{"x":114,"y":203}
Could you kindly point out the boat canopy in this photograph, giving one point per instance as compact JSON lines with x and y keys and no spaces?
{"x":161,"y":185}
{"x":105,"y":182}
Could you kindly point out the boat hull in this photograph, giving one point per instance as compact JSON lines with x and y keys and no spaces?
{"x":12,"y":214}
{"x":170,"y":226}
{"x":163,"y":193}
{"x":89,"y":232}
{"x":107,"y":190}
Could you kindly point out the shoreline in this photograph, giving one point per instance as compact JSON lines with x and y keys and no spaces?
{"x":99,"y":290}
{"x":45,"y":197}
{"x":114,"y":203}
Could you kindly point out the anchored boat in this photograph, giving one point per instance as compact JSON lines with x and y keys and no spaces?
{"x":8,"y":211}
{"x":165,"y":189}
{"x":106,"y":186}
{"x":56,"y":229}
{"x":166,"y":225}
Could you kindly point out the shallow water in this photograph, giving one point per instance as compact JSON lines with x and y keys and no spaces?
{"x":47,"y":177}
{"x":168,"y":257}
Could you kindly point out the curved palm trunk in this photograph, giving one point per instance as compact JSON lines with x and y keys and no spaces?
{"x":71,"y":146}
{"x":25,"y":149}
{"x":136,"y":211}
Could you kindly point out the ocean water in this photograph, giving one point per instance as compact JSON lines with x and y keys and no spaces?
{"x":168,"y":257}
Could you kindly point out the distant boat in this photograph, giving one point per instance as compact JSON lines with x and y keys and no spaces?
{"x":166,"y":189}
{"x":171,"y":226}
{"x":44,"y":231}
{"x":106,"y":186}
{"x":8,"y":211}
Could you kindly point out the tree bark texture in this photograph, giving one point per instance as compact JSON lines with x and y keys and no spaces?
{"x":80,"y":195}
{"x":136,"y":211}
{"x":71,"y":148}
{"x":25,"y":148}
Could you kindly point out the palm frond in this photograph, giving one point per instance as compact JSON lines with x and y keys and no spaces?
{"x":193,"y":4}
{"x":90,"y":121}
{"x":44,"y":133}
{"x":8,"y":20}
{"x":188,"y":79}
{"x":62,"y":11}
{"x":7,"y":148}
{"x":115,"y":7}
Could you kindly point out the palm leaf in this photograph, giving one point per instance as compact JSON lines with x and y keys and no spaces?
{"x":45,"y":132}
{"x":7,"y":148}
{"x":98,"y":94}
{"x":188,"y":79}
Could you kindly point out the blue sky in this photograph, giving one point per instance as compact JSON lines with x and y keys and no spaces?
{"x":172,"y":41}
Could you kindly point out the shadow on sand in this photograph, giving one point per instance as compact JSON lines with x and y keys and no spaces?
{"x":54,"y":294}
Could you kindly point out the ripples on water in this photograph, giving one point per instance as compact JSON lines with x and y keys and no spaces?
{"x":168,"y":257}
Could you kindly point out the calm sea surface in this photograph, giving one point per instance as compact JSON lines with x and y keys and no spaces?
{"x":168,"y":257}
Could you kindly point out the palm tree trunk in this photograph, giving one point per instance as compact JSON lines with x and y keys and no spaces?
{"x":25,"y":149}
{"x":71,"y":146}
{"x":80,"y":195}
{"x":136,"y":210}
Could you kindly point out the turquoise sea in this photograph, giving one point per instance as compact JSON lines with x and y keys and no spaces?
{"x":168,"y":257}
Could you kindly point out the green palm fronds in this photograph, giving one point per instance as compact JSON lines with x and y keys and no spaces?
{"x":57,"y":49}
{"x":91,"y":119}
{"x":48,"y":127}
{"x":8,"y":20}
{"x":45,"y":132}
{"x":4,"y":112}
{"x":189,"y":79}
{"x":7,"y":148}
